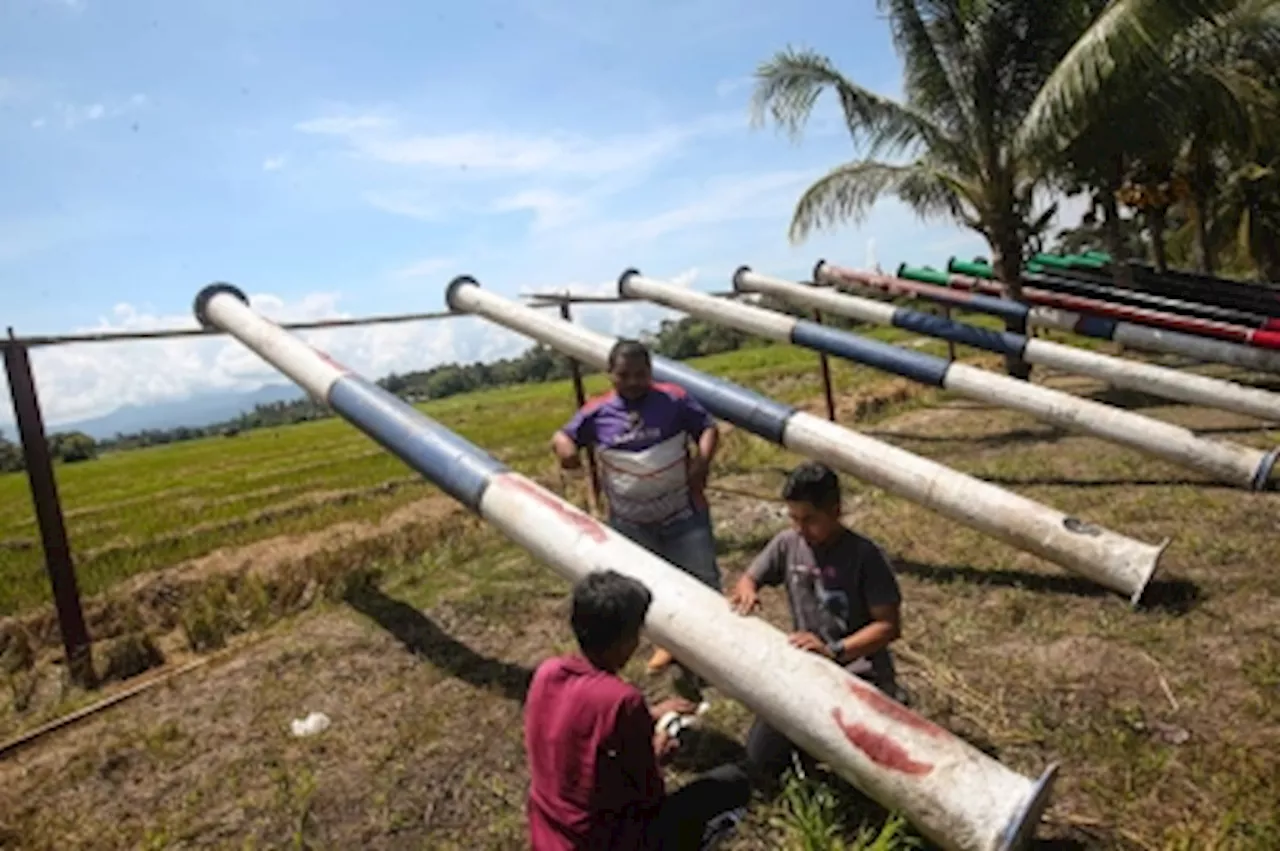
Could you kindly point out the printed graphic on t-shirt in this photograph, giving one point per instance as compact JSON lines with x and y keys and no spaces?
{"x":648,"y":486}
{"x":818,"y":608}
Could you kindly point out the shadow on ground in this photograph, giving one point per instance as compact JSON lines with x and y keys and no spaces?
{"x":1130,"y":400}
{"x":992,"y":441}
{"x":1059,"y":481}
{"x":1176,"y":596}
{"x":421,"y":636}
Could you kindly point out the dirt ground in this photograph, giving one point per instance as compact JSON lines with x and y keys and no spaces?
{"x":1165,"y":719}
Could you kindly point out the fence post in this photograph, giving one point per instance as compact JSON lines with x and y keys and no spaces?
{"x":825,"y":365}
{"x":44,"y":495}
{"x":593,"y":494}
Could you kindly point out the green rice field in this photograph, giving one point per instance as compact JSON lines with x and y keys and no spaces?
{"x":132,"y":512}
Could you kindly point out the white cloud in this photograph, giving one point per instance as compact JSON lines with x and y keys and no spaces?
{"x":74,"y":115}
{"x":344,"y":125}
{"x":408,"y":204}
{"x":84,"y":380}
{"x":382,"y":139}
{"x":273,"y":163}
{"x":18,"y":89}
{"x":726,"y":199}
{"x":38,"y":123}
{"x":425,"y":268}
{"x":550,"y":208}
{"x":732,"y":86}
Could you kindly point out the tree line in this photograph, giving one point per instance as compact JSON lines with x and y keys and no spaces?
{"x":66,"y":446}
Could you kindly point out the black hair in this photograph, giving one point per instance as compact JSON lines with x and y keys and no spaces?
{"x":624,"y":349}
{"x":607,"y":608}
{"x":813,"y":483}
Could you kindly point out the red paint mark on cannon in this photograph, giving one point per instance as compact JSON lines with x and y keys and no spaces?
{"x":585,"y":522}
{"x":324,"y":356}
{"x":880,"y":749}
{"x":889,"y":707}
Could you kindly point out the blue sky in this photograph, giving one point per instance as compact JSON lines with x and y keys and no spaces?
{"x":339,"y":158}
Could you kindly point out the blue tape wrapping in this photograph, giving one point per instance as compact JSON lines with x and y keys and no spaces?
{"x":744,"y":408}
{"x":1097,"y":327}
{"x":1002,"y":307}
{"x":450,"y":462}
{"x":1001,"y":342}
{"x":926,"y":369}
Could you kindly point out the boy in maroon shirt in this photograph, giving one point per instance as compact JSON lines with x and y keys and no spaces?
{"x":594,"y":755}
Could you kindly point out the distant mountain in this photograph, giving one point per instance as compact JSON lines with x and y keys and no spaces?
{"x":199,"y":410}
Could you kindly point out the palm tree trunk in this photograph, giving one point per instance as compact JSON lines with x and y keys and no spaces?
{"x":1157,"y":224}
{"x":1204,"y":253}
{"x":1201,"y":180}
{"x":1114,"y":238}
{"x":1006,"y":260}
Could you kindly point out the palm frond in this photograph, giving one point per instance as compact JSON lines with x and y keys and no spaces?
{"x":927,"y":41}
{"x":1129,"y":35}
{"x":847,"y":192}
{"x":788,"y":87}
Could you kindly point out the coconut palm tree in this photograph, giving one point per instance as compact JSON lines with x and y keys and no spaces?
{"x":1251,"y":213}
{"x":995,"y":91}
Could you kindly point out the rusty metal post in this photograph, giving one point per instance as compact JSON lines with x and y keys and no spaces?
{"x":951,"y":344}
{"x":53,"y":531}
{"x":825,"y":365}
{"x":580,"y":393}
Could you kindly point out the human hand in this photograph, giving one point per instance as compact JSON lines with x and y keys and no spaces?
{"x":810,"y":642}
{"x":699,"y":471}
{"x":678,"y":705}
{"x":664,"y":746}
{"x":744,"y":597}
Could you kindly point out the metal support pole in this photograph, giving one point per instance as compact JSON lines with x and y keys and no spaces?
{"x":580,"y":393}
{"x":825,"y":364}
{"x":53,"y":531}
{"x":951,"y":344}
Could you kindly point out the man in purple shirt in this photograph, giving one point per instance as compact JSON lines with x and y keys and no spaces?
{"x":642,"y":432}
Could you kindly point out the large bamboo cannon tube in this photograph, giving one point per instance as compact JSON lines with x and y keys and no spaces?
{"x":1119,"y":372}
{"x":1110,"y":559}
{"x":956,"y":795}
{"x":925,"y":283}
{"x":1242,"y":466}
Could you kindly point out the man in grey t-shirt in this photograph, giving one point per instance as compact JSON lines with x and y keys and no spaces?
{"x":843,"y":595}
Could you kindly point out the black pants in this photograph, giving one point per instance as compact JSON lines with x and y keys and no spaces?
{"x":686,"y":813}
{"x":770,"y":753}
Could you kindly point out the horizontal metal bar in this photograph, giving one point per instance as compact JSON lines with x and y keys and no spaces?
{"x":536,"y":299}
{"x":542,"y":299}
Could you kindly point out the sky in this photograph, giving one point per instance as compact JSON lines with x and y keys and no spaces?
{"x":340,"y":159}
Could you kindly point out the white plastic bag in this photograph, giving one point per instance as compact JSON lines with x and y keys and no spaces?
{"x":316,"y":722}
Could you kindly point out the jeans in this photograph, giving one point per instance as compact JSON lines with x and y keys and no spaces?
{"x":688,"y":544}
{"x":700,"y":813}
